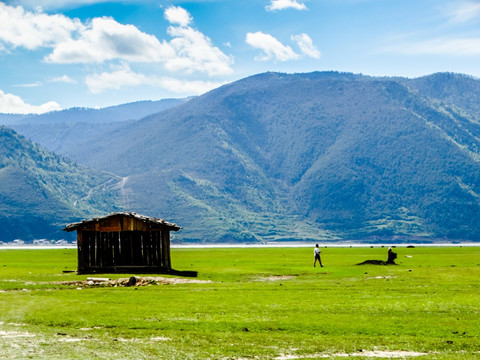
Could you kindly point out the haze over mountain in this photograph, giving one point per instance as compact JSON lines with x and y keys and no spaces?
{"x":320,"y":156}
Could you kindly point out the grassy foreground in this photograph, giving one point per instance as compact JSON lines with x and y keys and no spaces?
{"x":260,"y":303}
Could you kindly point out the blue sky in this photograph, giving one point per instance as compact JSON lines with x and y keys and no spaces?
{"x":57,"y":54}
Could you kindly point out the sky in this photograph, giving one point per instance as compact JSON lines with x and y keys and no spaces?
{"x":58,"y":54}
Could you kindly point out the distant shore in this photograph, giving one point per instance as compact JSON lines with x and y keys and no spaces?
{"x":263,"y":245}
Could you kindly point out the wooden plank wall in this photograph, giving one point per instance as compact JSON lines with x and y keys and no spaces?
{"x":98,"y":249}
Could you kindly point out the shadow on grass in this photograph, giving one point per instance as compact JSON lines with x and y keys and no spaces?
{"x":137,"y":270}
{"x":184,"y":273}
{"x":377,"y":262}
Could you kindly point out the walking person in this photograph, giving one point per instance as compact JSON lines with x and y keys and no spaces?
{"x":316,"y":253}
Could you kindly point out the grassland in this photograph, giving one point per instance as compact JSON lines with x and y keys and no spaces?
{"x":259,"y":303}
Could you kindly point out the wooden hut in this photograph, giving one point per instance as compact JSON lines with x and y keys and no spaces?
{"x":123,"y":242}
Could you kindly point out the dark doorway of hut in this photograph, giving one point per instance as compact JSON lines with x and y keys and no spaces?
{"x":125,"y":242}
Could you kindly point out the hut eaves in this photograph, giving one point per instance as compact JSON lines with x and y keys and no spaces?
{"x":145,"y":219}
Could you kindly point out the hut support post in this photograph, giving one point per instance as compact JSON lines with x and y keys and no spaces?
{"x":80,"y":252}
{"x":166,"y":248}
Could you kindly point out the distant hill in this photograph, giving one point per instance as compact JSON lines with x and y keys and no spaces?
{"x":40,"y":192}
{"x":59,"y":131}
{"x":322,"y":156}
{"x":124,"y":112}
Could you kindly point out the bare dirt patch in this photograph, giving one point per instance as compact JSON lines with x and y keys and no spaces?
{"x":15,"y":334}
{"x":73,"y":340}
{"x":276,"y":278}
{"x":160,"y":338}
{"x":385,"y":354}
{"x":130,"y":282}
{"x":395,"y":354}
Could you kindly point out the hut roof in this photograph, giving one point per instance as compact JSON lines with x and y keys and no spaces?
{"x":145,"y":219}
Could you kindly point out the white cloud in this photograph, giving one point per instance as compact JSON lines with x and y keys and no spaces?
{"x":121,"y":77}
{"x":105,"y":39}
{"x":57,"y":4}
{"x":194,"y":52}
{"x":13,"y":104}
{"x":188,"y":87}
{"x":32,"y":30}
{"x":64,"y":79}
{"x":271,"y":47}
{"x":450,"y":47}
{"x":30,"y":85}
{"x":285,"y":4}
{"x":124,"y":76}
{"x":178,"y":15}
{"x":464,"y":11}
{"x":306,"y":46}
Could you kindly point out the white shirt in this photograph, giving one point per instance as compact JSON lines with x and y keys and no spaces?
{"x":316,"y":251}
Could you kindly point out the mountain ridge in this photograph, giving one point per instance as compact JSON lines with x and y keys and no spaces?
{"x":122,"y":112}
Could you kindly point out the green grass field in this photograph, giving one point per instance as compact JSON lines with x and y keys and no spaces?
{"x":260,"y":303}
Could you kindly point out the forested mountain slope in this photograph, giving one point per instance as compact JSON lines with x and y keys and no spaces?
{"x":40,"y":192}
{"x":457,"y":90}
{"x":322,"y":156}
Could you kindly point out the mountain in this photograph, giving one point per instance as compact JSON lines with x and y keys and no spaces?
{"x":322,"y":156}
{"x":123,"y":112}
{"x":457,"y":90}
{"x":41,"y":192}
{"x":60,"y":130}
